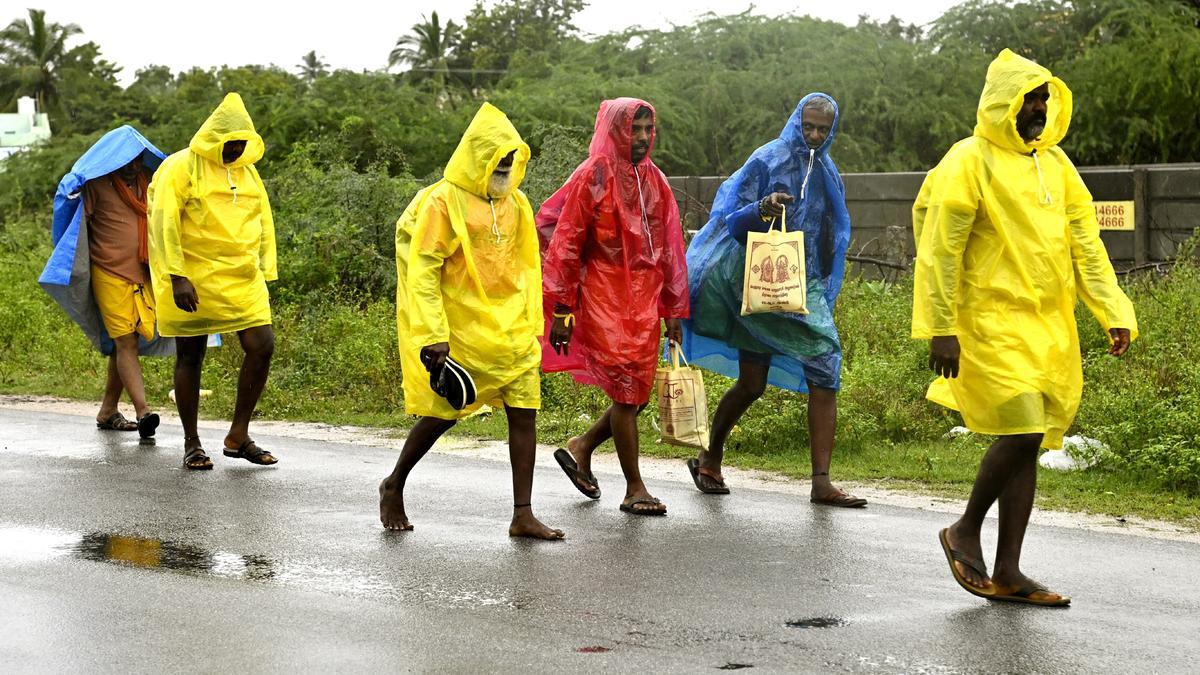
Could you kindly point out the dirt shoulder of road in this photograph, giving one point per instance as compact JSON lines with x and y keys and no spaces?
{"x":605,"y":464}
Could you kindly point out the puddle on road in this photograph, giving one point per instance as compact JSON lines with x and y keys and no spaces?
{"x":816,"y":622}
{"x":32,"y":545}
{"x":735,"y":666}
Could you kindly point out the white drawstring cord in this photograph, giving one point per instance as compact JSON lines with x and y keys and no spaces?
{"x":804,"y":185}
{"x":495,"y":226}
{"x":1042,"y":189}
{"x":642,"y":201}
{"x":232,"y":187}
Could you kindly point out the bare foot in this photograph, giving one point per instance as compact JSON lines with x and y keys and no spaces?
{"x":970,"y":547}
{"x":391,"y":507}
{"x":524,"y":524}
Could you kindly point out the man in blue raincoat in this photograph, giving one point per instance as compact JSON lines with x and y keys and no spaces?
{"x":798,"y":352}
{"x":103,"y":285}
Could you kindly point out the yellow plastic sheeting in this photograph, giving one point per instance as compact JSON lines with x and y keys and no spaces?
{"x":468,"y":272}
{"x":211,"y":222}
{"x":1007,"y":240}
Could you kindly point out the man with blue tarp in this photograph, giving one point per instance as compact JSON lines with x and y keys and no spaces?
{"x":104,"y":285}
{"x":799,"y":352}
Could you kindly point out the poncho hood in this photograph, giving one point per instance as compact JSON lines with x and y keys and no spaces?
{"x":1009,"y":78}
{"x":488,"y":138}
{"x":793,"y":131}
{"x":229,"y":122}
{"x":613,"y":136}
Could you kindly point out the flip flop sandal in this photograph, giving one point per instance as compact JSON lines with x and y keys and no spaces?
{"x":251,"y":453}
{"x":631,"y":507}
{"x":147,"y":425}
{"x":117,"y":422}
{"x":567,"y":462}
{"x":196,"y":460}
{"x":1025,"y":595}
{"x":977,"y":566}
{"x":843,"y":500}
{"x":693,"y":466}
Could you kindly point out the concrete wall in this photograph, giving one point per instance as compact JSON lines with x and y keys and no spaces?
{"x":1166,"y":196}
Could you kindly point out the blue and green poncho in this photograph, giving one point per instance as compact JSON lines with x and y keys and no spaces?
{"x":805,"y":349}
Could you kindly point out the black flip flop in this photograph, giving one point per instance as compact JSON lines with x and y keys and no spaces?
{"x":251,"y":453}
{"x":195,"y":455}
{"x":628,"y":508}
{"x":693,"y":465}
{"x":567,"y":462}
{"x":147,"y":425}
{"x":116,"y":422}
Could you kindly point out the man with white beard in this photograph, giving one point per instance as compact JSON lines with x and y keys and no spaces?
{"x":469,"y":310}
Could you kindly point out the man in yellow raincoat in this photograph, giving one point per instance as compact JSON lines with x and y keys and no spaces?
{"x":212,"y":252}
{"x":1007,"y":240}
{"x":468,"y":287}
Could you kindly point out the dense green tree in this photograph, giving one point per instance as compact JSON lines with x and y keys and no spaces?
{"x":33,"y":50}
{"x":512,"y":29}
{"x":427,"y":50}
{"x":311,"y":67}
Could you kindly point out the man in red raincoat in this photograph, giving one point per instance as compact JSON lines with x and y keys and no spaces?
{"x":613,"y":266}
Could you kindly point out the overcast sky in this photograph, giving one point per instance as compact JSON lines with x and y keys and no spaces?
{"x":358,"y":35}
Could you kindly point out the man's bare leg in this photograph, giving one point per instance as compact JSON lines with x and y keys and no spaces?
{"x":522,"y":447}
{"x":822,"y":424}
{"x":189,"y":359}
{"x":258,"y":343}
{"x":130,"y":371}
{"x":1005,"y":460}
{"x":391,"y":491}
{"x":749,"y":387}
{"x":584,"y":445}
{"x":112,"y":391}
{"x":1016,"y":503}
{"x":623,"y":417}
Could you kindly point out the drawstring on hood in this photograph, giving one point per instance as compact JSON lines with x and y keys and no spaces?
{"x":1044,"y":195}
{"x":495,"y":223}
{"x":807,"y":174}
{"x":232,"y":186}
{"x":642,"y":202}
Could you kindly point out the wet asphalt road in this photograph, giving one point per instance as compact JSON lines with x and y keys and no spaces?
{"x":114,"y":559}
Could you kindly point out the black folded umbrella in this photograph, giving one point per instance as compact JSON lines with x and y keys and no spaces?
{"x":453,"y":383}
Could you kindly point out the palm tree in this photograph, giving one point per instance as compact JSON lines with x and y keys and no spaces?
{"x":311,"y":66}
{"x":427,"y":49}
{"x":34,"y":49}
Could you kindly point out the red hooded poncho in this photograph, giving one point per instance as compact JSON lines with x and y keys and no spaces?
{"x":614,"y":254}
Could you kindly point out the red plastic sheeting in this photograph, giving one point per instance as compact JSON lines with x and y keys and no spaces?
{"x":613,"y":252}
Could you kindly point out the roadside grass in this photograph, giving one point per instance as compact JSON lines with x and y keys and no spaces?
{"x":334,"y":364}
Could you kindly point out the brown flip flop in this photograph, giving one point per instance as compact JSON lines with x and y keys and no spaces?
{"x":953,"y":556}
{"x":1026,"y":594}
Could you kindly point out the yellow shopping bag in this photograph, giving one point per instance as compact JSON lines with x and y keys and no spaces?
{"x":682,"y":405}
{"x":774,"y":279}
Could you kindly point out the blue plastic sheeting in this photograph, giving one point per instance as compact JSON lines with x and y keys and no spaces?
{"x":67,"y":276}
{"x":805,"y":349}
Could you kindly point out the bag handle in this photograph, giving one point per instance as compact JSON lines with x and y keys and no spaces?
{"x":782,"y":220}
{"x":676,"y":352}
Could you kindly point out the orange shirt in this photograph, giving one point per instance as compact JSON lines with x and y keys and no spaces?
{"x":112,"y":230}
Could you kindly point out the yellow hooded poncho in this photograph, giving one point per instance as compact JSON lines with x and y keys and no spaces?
{"x":211,"y":222}
{"x":1006,"y":241}
{"x":468,"y":272}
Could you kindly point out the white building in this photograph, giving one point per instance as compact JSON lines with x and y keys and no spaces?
{"x":23,"y":128}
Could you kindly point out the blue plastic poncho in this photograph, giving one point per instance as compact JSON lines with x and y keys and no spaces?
{"x":67,"y":276}
{"x":717,"y":257}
